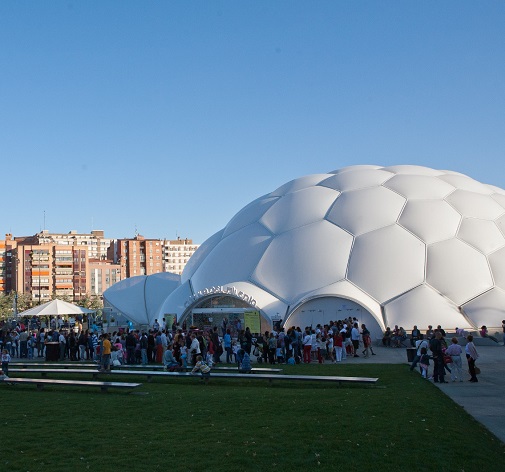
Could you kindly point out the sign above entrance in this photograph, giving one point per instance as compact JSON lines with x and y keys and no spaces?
{"x":221,"y":289}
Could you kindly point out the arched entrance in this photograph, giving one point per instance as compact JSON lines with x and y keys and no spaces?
{"x":212,"y":310}
{"x":322,"y":310}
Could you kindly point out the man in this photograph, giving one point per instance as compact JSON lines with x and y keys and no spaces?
{"x":415,"y":336}
{"x":194,"y":349}
{"x":436,"y":346}
{"x":131,"y":343}
{"x":23,"y":343}
{"x":355,"y":339}
{"x":420,"y":343}
{"x":429,"y":332}
{"x":105,"y":354}
{"x":63,"y":345}
{"x":307,"y":346}
{"x":218,"y":349}
{"x":143,"y":348}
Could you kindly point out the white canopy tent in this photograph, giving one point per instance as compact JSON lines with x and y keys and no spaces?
{"x":55,"y":307}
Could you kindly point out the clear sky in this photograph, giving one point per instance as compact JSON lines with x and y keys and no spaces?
{"x":167,"y":117}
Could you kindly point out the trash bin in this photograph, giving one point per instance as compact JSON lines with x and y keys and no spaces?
{"x":411,"y":353}
{"x":52,"y":351}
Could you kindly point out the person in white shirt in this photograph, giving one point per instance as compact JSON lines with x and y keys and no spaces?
{"x":420,"y":343}
{"x":194,"y":349}
{"x":355,"y":339}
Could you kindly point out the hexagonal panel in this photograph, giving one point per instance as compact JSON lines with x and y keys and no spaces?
{"x":423,"y":306}
{"x":431,"y":220}
{"x":298,"y":184}
{"x":464,"y":182}
{"x":483,"y":235}
{"x":360,"y":211}
{"x":387,"y":262}
{"x":299,"y":208}
{"x":356,"y":179}
{"x":249,"y":214}
{"x":457,"y":270}
{"x":486,"y":309}
{"x":419,"y":186}
{"x":304,"y":259}
{"x":233,"y":258}
{"x":412,"y":169}
{"x":497,"y":263}
{"x":475,"y":205}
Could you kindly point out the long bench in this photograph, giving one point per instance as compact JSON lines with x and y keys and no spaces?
{"x":228,"y":375}
{"x":140,"y":367}
{"x":40,"y":383}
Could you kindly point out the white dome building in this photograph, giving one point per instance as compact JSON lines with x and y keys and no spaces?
{"x":389,"y":245}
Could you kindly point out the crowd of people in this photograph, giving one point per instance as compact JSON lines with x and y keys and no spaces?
{"x":446,"y":356}
{"x":179,"y":348}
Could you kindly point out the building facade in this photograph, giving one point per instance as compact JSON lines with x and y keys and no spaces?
{"x":176,"y":254}
{"x":76,"y":265}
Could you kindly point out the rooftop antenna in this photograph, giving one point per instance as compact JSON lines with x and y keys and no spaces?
{"x":91,"y":223}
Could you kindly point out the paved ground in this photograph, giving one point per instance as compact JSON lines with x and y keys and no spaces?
{"x":482,"y":400}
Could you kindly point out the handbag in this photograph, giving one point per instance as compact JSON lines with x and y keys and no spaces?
{"x":477,"y":370}
{"x":447,"y":360}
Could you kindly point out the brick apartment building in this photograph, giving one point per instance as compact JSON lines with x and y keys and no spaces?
{"x":81,"y":265}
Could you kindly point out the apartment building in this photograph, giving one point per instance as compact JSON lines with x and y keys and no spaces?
{"x":76,"y":265}
{"x":137,"y":256}
{"x":103,"y":273}
{"x":176,"y":254}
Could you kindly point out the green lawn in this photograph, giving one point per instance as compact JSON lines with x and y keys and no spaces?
{"x":403,"y":423}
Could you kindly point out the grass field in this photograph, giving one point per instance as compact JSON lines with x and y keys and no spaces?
{"x":403,"y":423}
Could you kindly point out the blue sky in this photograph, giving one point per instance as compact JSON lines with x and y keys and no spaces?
{"x":167,"y":117}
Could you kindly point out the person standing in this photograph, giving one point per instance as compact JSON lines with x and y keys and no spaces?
{"x":105,"y":354}
{"x":6,"y":358}
{"x":367,"y":341}
{"x":437,"y":347}
{"x":194,"y":349}
{"x":131,"y":343}
{"x":471,"y":357}
{"x":143,"y":348}
{"x":420,"y":343}
{"x":455,"y":351}
{"x":307,"y":346}
{"x":355,"y":339}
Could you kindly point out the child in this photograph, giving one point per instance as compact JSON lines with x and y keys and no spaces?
{"x":235,"y":349}
{"x":201,"y":366}
{"x":278,"y":354}
{"x":424,"y":363}
{"x":6,"y":358}
{"x":184,"y":356}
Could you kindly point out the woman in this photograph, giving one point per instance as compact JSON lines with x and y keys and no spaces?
{"x":367,"y":341}
{"x":484,"y":334}
{"x":455,"y":351}
{"x":471,"y":357}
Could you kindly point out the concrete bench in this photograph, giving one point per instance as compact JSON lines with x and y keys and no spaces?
{"x":271,"y":377}
{"x":40,"y":383}
{"x":228,"y":375}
